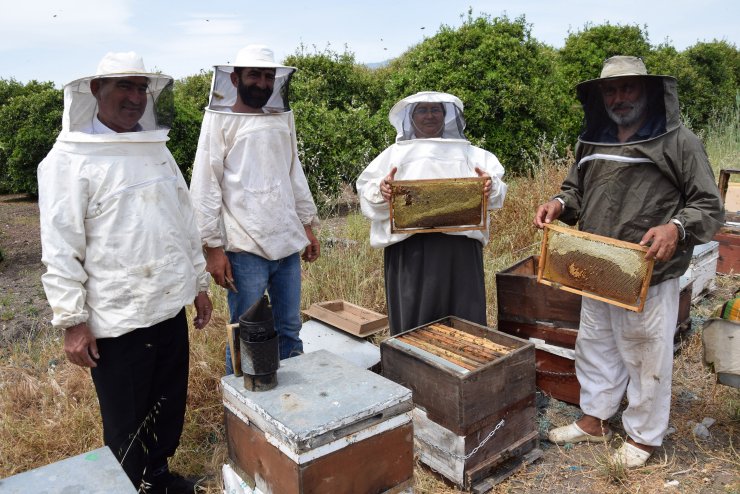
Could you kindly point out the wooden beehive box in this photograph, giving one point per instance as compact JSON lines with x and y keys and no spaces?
{"x":462,"y":399}
{"x":528,"y":309}
{"x":729,"y":250}
{"x":328,"y":427}
{"x":466,"y":379}
{"x":729,"y":235}
{"x":348,"y":317}
{"x":438,"y":205}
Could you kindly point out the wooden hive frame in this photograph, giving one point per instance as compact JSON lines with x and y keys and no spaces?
{"x":426,"y":187}
{"x":458,"y":347}
{"x":639,"y":302}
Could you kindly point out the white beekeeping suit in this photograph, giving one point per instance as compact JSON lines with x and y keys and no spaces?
{"x":117,"y":226}
{"x":449,"y":155}
{"x":248,"y":184}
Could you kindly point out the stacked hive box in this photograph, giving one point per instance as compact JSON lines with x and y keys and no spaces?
{"x":328,"y":427}
{"x":473,"y":389}
{"x":528,"y":309}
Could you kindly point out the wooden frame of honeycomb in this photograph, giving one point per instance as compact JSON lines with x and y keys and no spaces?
{"x":598,"y":267}
{"x":438,"y":205}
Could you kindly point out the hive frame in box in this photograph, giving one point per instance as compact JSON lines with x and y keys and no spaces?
{"x":590,"y":237}
{"x":481,"y":225}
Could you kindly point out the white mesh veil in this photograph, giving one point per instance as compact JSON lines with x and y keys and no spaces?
{"x":401,"y":115}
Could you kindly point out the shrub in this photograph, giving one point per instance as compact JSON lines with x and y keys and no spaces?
{"x":29,"y":124}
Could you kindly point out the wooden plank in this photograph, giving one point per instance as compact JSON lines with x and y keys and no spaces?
{"x":506,"y":470}
{"x":232,"y":339}
{"x":485,"y":343}
{"x":460,"y":345}
{"x":348,"y":317}
{"x":440,"y":352}
{"x":490,"y":334}
{"x":514,"y":451}
{"x":724,"y":182}
{"x":632,"y":307}
{"x":600,"y":238}
{"x":565,"y":337}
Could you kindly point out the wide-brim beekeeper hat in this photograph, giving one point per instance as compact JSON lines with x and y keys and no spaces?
{"x":621,"y":66}
{"x":128,"y":64}
{"x":223,"y":92}
{"x":82,"y":105}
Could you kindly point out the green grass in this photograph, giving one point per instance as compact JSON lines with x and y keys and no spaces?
{"x":722,"y":141}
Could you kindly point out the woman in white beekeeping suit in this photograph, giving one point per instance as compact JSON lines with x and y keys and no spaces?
{"x":429,"y":275}
{"x":123,"y":259}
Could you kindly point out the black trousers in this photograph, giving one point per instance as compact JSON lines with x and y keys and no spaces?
{"x":429,"y":276}
{"x":142,"y":381}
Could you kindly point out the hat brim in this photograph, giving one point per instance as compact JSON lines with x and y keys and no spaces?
{"x":621,"y":76}
{"x":158,"y":81}
{"x":257,"y":65}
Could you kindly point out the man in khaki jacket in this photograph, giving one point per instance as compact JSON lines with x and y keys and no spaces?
{"x":642,"y":177}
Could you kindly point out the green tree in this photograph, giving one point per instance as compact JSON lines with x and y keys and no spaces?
{"x":584,"y":51}
{"x":715,"y":85}
{"x":191,"y":97}
{"x":29,"y":123}
{"x":336,"y":103}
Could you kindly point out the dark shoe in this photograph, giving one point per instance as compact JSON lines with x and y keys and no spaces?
{"x":171,"y":483}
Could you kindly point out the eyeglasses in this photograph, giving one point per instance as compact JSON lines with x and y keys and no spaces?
{"x":424,"y":110}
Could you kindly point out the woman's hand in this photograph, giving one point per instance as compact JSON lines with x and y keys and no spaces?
{"x":489,"y":183}
{"x":385,"y":186}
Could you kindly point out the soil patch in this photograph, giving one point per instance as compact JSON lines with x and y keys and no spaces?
{"x":23,"y":307}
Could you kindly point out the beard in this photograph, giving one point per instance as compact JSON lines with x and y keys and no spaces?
{"x":253,"y":96}
{"x":635,"y":113}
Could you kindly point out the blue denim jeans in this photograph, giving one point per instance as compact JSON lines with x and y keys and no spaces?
{"x":282,"y":280}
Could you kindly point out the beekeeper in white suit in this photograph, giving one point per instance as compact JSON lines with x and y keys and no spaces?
{"x":254,"y":208}
{"x":429,"y":275}
{"x":123,"y":258}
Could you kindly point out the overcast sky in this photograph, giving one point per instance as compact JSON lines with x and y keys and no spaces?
{"x":61,"y":40}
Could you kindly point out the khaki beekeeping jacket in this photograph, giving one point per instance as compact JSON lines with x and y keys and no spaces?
{"x":415,"y":159}
{"x":623,"y":190}
{"x":118,"y":230}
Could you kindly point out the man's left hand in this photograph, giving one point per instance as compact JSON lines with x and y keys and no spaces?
{"x":489,"y":182}
{"x":203,"y":309}
{"x":313,"y":250}
{"x":663,"y":240}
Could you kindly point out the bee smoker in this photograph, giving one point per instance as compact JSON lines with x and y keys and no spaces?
{"x":260,"y":353}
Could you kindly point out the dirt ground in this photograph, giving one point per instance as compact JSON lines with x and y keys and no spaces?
{"x":23,"y":308}
{"x":685,"y":463}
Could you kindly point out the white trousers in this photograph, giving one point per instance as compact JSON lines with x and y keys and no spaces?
{"x":619,"y":350}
